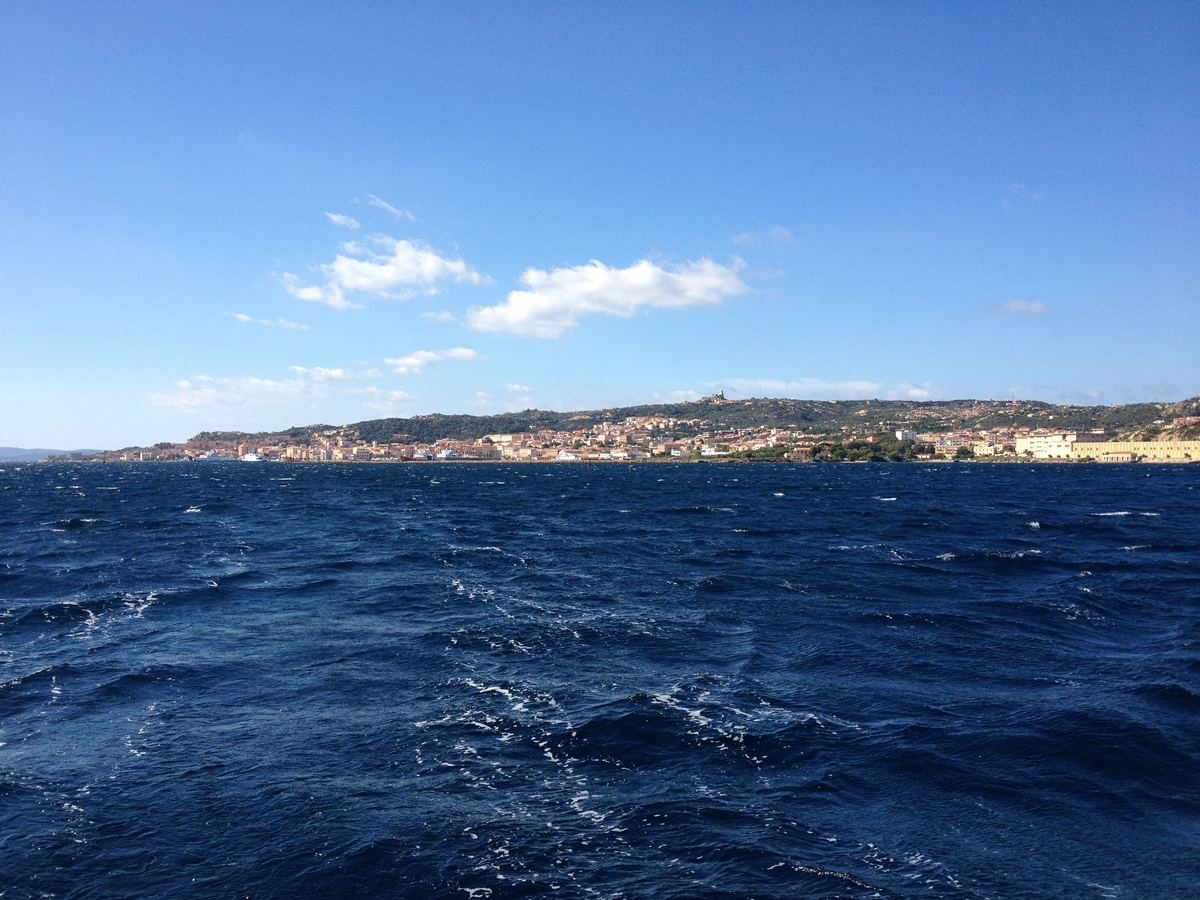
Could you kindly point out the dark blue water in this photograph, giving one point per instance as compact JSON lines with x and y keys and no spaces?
{"x":691,"y":681}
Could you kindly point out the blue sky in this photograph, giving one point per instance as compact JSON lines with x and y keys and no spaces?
{"x":251,"y":216}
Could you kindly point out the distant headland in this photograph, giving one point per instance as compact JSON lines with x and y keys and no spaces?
{"x":33,"y":454}
{"x":719,"y":428}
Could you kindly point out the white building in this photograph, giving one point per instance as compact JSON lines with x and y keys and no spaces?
{"x":1055,"y":445}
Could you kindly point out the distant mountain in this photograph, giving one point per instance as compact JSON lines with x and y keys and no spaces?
{"x":33,"y":454}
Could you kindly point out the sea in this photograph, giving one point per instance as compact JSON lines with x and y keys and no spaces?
{"x":705,"y":680}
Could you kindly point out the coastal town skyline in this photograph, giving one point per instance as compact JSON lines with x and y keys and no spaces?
{"x":224,"y":218}
{"x":720,"y":428}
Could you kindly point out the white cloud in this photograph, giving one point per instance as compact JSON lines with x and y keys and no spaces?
{"x":1019,"y":193}
{"x":779,"y":234}
{"x":320,"y":373}
{"x":396,"y":264}
{"x":771,"y":273}
{"x":414,"y":363}
{"x":344,"y":221}
{"x":817,"y":389}
{"x":402,"y":263}
{"x":518,"y":389}
{"x":907,"y":390}
{"x":203,"y":391}
{"x":372,"y":200}
{"x":312,"y":385}
{"x":806,"y":388}
{"x":556,"y":299}
{"x":1020,"y":190}
{"x":329,"y":294}
{"x":442,"y":316}
{"x":270,"y":323}
{"x":1020,"y":308}
{"x":379,"y":400}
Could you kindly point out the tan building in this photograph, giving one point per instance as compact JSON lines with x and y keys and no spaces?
{"x":1180,"y":451}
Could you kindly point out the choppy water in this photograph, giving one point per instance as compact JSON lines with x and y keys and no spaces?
{"x":691,"y":681}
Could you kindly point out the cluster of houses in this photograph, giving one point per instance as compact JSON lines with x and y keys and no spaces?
{"x":646,"y":437}
{"x":636,"y":437}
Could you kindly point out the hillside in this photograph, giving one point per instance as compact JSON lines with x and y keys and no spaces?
{"x":818,"y":417}
{"x":813,"y":416}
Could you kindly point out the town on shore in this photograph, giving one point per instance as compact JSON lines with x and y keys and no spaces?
{"x":722,"y":429}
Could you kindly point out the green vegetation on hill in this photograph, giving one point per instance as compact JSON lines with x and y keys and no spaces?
{"x":817,"y":417}
{"x":427,"y":429}
{"x":299,"y":435}
{"x":813,"y":416}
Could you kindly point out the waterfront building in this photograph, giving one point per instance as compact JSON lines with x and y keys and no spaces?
{"x":1117,"y":451}
{"x":1055,"y":444}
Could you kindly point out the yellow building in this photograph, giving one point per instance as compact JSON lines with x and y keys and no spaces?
{"x":1181,"y":451}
